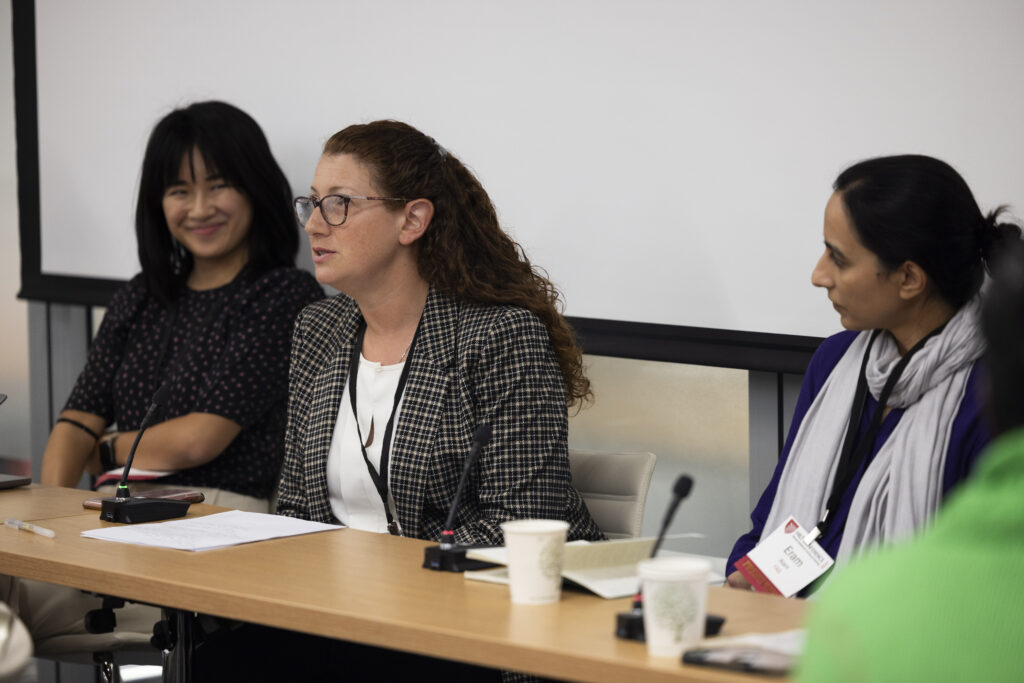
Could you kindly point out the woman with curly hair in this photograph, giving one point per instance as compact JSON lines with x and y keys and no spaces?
{"x":442,"y":326}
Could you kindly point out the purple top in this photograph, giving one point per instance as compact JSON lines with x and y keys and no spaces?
{"x":966,"y":441}
{"x":227,"y":354}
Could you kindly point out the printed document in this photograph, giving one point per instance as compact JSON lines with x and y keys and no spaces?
{"x":212,"y":531}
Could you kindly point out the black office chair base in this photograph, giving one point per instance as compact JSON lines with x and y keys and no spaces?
{"x":630,"y":625}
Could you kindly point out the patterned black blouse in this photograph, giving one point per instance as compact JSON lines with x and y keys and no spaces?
{"x":223,"y":351}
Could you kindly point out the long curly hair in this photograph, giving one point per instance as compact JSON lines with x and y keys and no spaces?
{"x":464,"y":254}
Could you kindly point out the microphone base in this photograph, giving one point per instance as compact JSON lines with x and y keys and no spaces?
{"x":136,"y":510}
{"x":451,"y":559}
{"x":630,"y":625}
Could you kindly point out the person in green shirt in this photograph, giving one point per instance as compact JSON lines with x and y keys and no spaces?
{"x":948,"y":606}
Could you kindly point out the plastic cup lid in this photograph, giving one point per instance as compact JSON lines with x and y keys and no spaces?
{"x":674,"y":568}
{"x":534,"y":526}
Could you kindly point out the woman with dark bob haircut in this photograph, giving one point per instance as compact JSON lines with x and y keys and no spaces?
{"x":888,"y":419}
{"x":209,"y":317}
{"x":442,"y":326}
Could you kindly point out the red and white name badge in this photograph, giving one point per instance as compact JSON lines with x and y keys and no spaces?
{"x":783,"y":563}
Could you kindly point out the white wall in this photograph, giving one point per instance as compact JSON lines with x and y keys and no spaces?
{"x":693,"y":418}
{"x":685,"y":147}
{"x":14,"y":380}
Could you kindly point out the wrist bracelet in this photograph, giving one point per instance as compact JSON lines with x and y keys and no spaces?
{"x":70,"y":421}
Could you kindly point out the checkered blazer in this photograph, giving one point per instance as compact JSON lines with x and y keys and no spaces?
{"x":472,"y":364}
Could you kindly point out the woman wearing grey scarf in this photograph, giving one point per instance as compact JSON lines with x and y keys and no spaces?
{"x":906,"y":248}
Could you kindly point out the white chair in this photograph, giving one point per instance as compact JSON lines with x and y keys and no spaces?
{"x":614,"y":487}
{"x":15,"y":646}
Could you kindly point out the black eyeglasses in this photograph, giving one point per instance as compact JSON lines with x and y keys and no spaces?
{"x":333,"y":207}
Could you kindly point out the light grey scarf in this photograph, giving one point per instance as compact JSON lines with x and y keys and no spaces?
{"x":902,"y":487}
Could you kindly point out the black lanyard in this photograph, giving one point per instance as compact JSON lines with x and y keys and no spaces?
{"x":380,"y":479}
{"x":850,"y":458}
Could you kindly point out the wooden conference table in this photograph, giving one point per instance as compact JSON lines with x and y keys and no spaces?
{"x":363,"y":587}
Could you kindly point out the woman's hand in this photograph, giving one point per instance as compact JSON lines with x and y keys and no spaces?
{"x":737,"y":580}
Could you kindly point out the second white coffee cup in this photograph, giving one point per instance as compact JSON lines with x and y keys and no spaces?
{"x":535,"y":550}
{"x":675,"y":596}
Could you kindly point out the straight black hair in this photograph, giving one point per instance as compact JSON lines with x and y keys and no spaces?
{"x":917,"y":208}
{"x":233,"y":145}
{"x":1002,"y":320}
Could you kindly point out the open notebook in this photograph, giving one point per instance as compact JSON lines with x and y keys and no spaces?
{"x":606,"y":568}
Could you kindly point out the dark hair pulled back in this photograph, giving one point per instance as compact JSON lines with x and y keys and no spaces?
{"x":1003,"y":322}
{"x":917,"y":208}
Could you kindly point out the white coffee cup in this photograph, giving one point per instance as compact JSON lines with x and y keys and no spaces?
{"x":675,"y":595}
{"x":535,"y":550}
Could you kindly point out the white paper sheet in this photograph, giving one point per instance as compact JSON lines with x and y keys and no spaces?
{"x":212,"y":531}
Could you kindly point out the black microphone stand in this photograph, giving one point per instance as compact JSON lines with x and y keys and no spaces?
{"x":449,"y":556}
{"x":124,"y":508}
{"x":630,"y":625}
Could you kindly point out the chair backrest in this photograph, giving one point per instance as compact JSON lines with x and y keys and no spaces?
{"x":614,"y":487}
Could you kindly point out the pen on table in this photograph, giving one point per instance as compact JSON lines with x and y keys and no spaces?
{"x":26,"y":526}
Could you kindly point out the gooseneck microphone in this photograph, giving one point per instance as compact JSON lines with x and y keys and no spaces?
{"x":155,"y":404}
{"x":481,"y":437}
{"x":449,"y":557}
{"x":680,"y":490}
{"x":630,"y":625}
{"x":125,"y":509}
